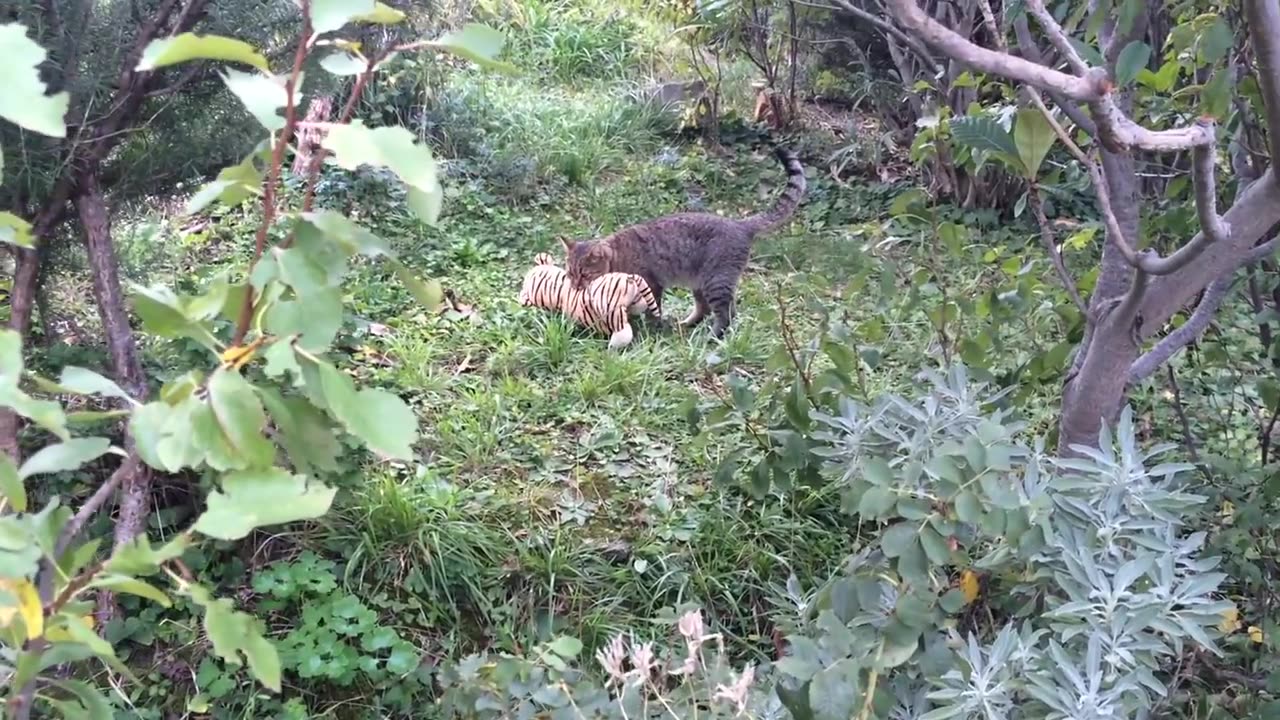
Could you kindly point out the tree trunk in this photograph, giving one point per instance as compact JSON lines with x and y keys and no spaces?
{"x":1095,"y":393}
{"x":22,"y":299}
{"x":122,"y":348}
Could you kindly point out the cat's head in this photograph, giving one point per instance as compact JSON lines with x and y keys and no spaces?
{"x":586,"y":261}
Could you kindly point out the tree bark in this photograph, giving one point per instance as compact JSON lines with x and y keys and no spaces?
{"x":122,"y":348}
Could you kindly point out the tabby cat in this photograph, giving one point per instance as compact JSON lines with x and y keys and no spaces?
{"x":700,"y":251}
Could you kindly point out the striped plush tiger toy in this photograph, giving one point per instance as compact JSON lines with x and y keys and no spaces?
{"x":605,"y":306}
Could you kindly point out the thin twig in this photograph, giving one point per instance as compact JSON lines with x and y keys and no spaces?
{"x":1050,"y":244}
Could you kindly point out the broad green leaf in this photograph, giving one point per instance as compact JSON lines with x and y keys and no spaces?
{"x":165,"y":435}
{"x":14,"y":230}
{"x":345,"y":234}
{"x":835,"y":693}
{"x":1130,"y":10}
{"x":953,"y":601}
{"x":876,"y":501}
{"x":1133,"y":58}
{"x":305,"y":432}
{"x":478,"y":43}
{"x":935,"y":546}
{"x":343,"y":64}
{"x":394,"y":148}
{"x":233,"y":632}
{"x":382,"y":14}
{"x":251,"y":499}
{"x":428,"y":292}
{"x":232,"y":186}
{"x":262,"y":95}
{"x":316,"y":319}
{"x":22,"y":94}
{"x":984,"y":133}
{"x":382,"y":420}
{"x":1215,"y":97}
{"x":240,"y":415}
{"x":160,"y":311}
{"x":64,"y":456}
{"x":138,"y":557}
{"x":299,"y":272}
{"x":19,"y":551}
{"x":87,"y":382}
{"x":281,"y":359}
{"x":95,"y":704}
{"x":1215,"y":41}
{"x":566,"y":647}
{"x":189,"y":46}
{"x":427,"y":203}
{"x":131,"y":586}
{"x":897,"y":651}
{"x":968,"y":507}
{"x":330,"y":15}
{"x":1034,"y":137}
{"x":913,"y":565}
{"x":11,"y":484}
{"x":895,"y":541}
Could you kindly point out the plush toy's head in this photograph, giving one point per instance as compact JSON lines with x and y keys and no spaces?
{"x":544,"y":283}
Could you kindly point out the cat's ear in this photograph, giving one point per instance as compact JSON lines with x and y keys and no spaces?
{"x":568,"y":244}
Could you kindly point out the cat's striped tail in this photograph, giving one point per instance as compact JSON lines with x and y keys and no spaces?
{"x":792,"y":194}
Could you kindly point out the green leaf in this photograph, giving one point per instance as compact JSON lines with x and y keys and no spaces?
{"x":14,"y":230}
{"x":64,"y":456}
{"x":232,"y":186}
{"x":912,"y":564}
{"x":343,"y":64}
{"x":430,"y":293}
{"x":835,"y":693}
{"x":11,"y":486}
{"x":45,"y":413}
{"x":1130,"y":10}
{"x":382,"y":15}
{"x":394,"y":148}
{"x":95,"y":705}
{"x":1033,"y":137}
{"x":426,"y":203}
{"x":968,"y":507}
{"x":22,"y":94}
{"x":233,"y":632}
{"x":262,"y":95}
{"x":935,"y":546}
{"x":725,"y":470}
{"x":566,"y":647}
{"x":1215,"y":96}
{"x":330,"y":15}
{"x":382,"y":420}
{"x":953,"y":601}
{"x":983,"y":133}
{"x":478,"y":43}
{"x":346,"y":235}
{"x":305,"y":432}
{"x":240,"y":417}
{"x":138,"y":557}
{"x":316,"y":319}
{"x":876,"y":502}
{"x":189,"y":46}
{"x":251,"y":499}
{"x":160,"y":311}
{"x":877,"y":471}
{"x":895,"y":541}
{"x":1133,"y":57}
{"x":1215,"y":41}
{"x":131,"y":586}
{"x":87,"y":382}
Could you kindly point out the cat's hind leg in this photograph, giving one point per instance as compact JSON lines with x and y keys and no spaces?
{"x":621,"y":338}
{"x":721,"y":293}
{"x":618,"y":325}
{"x":699,"y":312}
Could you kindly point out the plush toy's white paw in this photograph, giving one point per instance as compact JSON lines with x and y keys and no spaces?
{"x":620,"y":339}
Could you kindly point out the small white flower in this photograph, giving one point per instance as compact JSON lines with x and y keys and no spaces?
{"x":611,"y":658}
{"x":736,"y":692}
{"x":691,"y":627}
{"x":642,"y":661}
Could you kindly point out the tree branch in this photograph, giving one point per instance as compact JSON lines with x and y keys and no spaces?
{"x":1149,"y":362}
{"x":885,"y":25}
{"x":1212,"y":227}
{"x":1055,"y":254}
{"x":1058,"y":37}
{"x":1264,"y":31}
{"x":1027,"y":45}
{"x":957,"y":46}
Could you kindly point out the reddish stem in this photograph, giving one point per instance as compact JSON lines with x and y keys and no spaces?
{"x":273,"y":173}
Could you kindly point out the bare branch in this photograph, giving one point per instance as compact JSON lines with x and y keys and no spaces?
{"x":1058,"y":37}
{"x":1150,"y":361}
{"x":957,"y":46}
{"x":1212,"y":227}
{"x":993,"y":27}
{"x":888,"y":27}
{"x":1050,"y":244}
{"x":95,"y":503}
{"x":1119,"y":133}
{"x":1264,"y":31}
{"x":1027,"y":46}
